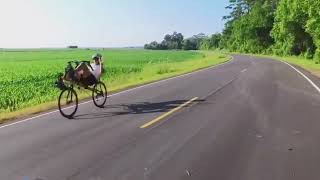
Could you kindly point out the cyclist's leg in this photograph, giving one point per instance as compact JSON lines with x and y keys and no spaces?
{"x":82,"y":71}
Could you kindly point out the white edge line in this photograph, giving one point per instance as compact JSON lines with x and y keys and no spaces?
{"x":303,"y":75}
{"x":125,"y":91}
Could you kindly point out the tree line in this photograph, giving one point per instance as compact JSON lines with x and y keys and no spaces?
{"x":282,"y":27}
{"x":178,"y":42}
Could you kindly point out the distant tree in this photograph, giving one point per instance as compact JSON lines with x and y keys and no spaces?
{"x":177,"y":41}
{"x":212,"y":42}
{"x":189,"y":44}
{"x":153,"y":45}
{"x":164,"y":45}
{"x":167,"y":38}
{"x":215,"y":40}
{"x":174,"y":41}
{"x":147,"y":46}
{"x":198,"y":38}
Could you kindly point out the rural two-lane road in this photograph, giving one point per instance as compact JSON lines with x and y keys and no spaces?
{"x":254,"y":119}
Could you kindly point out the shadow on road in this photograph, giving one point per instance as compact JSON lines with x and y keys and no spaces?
{"x":135,"y":108}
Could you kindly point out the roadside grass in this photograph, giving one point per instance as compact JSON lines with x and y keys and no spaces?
{"x":165,"y":70}
{"x":308,"y":64}
{"x":151,"y":72}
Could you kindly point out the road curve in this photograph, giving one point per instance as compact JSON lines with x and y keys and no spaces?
{"x":250,"y":119}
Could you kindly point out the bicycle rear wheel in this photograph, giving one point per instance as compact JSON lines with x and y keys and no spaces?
{"x":68,"y":98}
{"x":99,"y":94}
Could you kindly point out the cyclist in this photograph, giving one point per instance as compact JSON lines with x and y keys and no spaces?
{"x":89,"y":74}
{"x":97,"y":66}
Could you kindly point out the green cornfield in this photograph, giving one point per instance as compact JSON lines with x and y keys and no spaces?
{"x":27,"y":76}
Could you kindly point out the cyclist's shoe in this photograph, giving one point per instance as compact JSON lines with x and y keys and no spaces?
{"x":60,"y":84}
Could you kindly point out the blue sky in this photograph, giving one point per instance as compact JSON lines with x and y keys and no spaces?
{"x":104,"y":23}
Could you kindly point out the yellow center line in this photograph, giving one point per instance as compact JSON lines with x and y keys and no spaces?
{"x":167,"y":114}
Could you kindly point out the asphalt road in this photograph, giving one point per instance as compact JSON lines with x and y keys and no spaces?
{"x":254,"y":119}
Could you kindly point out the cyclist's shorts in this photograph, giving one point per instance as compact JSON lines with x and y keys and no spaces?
{"x":90,"y":80}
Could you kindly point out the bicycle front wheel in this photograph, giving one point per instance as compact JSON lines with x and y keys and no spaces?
{"x":99,"y":94}
{"x":68,"y":103}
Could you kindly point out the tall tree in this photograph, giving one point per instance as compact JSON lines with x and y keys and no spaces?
{"x":212,"y":42}
{"x":249,"y":25}
{"x":289,"y":29}
{"x":313,"y":23}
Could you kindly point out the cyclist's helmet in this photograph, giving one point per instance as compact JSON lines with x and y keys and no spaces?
{"x":97,"y":55}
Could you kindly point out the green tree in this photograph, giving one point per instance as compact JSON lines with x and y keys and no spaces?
{"x":189,"y":44}
{"x":194,"y":42}
{"x":249,"y":31}
{"x":212,"y":42}
{"x":174,"y":41}
{"x":284,"y":27}
{"x":313,"y":23}
{"x":289,"y":32}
